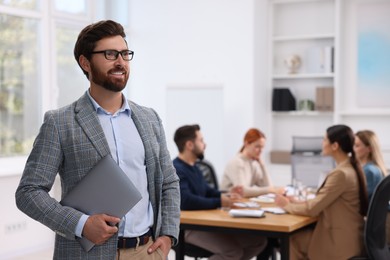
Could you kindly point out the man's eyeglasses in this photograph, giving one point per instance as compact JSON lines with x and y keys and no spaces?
{"x":127,"y":55}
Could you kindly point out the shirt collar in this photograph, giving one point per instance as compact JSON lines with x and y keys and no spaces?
{"x":124,"y":109}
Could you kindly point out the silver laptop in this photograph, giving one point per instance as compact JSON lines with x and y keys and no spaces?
{"x":105,"y":189}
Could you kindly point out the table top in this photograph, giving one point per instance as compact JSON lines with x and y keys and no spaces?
{"x":271,"y":222}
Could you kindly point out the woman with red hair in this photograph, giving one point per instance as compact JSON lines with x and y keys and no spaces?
{"x":246,"y":171}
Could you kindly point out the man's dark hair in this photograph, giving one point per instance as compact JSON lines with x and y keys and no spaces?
{"x":86,"y":41}
{"x":184,"y":134}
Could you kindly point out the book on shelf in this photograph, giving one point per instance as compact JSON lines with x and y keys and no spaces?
{"x":320,"y":59}
{"x":283,"y":99}
{"x":324,"y":99}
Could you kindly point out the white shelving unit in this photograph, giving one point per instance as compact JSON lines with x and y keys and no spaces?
{"x":296,"y":26}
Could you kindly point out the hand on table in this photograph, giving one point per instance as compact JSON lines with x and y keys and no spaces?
{"x":277,"y":190}
{"x":281,"y":200}
{"x":227,"y":199}
{"x":239,"y":189}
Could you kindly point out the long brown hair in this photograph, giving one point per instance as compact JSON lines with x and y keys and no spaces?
{"x":344,"y":136}
{"x":370,"y":139}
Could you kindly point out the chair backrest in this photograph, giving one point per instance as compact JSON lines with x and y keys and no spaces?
{"x":310,"y":170}
{"x":375,"y":229}
{"x":208,"y":172}
{"x":308,"y":166}
{"x":307,"y":144}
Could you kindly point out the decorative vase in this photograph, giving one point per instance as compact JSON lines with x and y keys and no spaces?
{"x":292,"y":62}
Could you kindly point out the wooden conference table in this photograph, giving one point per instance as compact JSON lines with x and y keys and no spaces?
{"x":272,"y":225}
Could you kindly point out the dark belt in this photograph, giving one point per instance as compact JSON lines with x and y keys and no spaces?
{"x":134,"y":242}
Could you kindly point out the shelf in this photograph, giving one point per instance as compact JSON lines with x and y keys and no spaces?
{"x":303,"y":113}
{"x":329,"y":36}
{"x":380,"y":112}
{"x":306,"y":28}
{"x":303,"y":76}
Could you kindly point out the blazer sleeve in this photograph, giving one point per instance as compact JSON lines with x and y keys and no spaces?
{"x":32,"y":195}
{"x":333,"y":187}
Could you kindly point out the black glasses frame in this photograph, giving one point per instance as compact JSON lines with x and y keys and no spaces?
{"x":116,"y":53}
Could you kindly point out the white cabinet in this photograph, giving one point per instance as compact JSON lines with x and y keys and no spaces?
{"x":307,"y":29}
{"x":298,"y":27}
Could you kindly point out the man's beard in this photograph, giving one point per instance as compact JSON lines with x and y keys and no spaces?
{"x":199,"y":154}
{"x":114,"y":85}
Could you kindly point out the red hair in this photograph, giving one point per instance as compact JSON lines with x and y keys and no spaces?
{"x":251,"y":136}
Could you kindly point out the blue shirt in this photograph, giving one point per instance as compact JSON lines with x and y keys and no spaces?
{"x":194,"y":191}
{"x":373,"y":176}
{"x":127,"y":149}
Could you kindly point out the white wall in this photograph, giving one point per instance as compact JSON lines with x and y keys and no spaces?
{"x":201,"y":43}
{"x":210,"y":44}
{"x":19,"y":234}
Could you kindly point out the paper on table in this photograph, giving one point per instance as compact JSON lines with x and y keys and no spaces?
{"x":249,"y":204}
{"x":266,"y":198}
{"x":253,"y":213}
{"x":274,"y":210}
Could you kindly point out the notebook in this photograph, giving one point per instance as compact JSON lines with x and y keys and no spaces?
{"x":105,"y":189}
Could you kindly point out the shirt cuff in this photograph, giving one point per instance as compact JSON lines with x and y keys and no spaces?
{"x":80,"y":225}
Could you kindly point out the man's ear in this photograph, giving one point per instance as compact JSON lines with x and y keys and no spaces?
{"x":84,"y":63}
{"x":189,"y":145}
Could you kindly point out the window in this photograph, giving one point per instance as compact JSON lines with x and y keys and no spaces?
{"x":68,"y":91}
{"x":71,"y":6}
{"x":25,"y":4}
{"x":36,"y":62}
{"x":19,"y":84}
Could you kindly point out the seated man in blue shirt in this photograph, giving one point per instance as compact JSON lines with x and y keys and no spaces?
{"x":196,"y":194}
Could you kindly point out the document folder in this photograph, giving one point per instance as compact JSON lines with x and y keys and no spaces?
{"x":106,"y":189}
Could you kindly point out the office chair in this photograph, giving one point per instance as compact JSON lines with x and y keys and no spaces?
{"x":208,"y":172}
{"x":308,"y":166}
{"x":375,"y":228}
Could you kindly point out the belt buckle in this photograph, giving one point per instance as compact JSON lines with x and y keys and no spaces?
{"x":137,"y":244}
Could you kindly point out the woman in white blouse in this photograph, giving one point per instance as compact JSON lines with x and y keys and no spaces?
{"x":246,"y":172}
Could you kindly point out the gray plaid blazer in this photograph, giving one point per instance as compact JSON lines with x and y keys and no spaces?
{"x":70,"y":142}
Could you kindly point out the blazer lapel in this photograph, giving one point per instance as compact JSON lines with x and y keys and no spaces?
{"x":145,"y":130}
{"x":89,"y":122}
